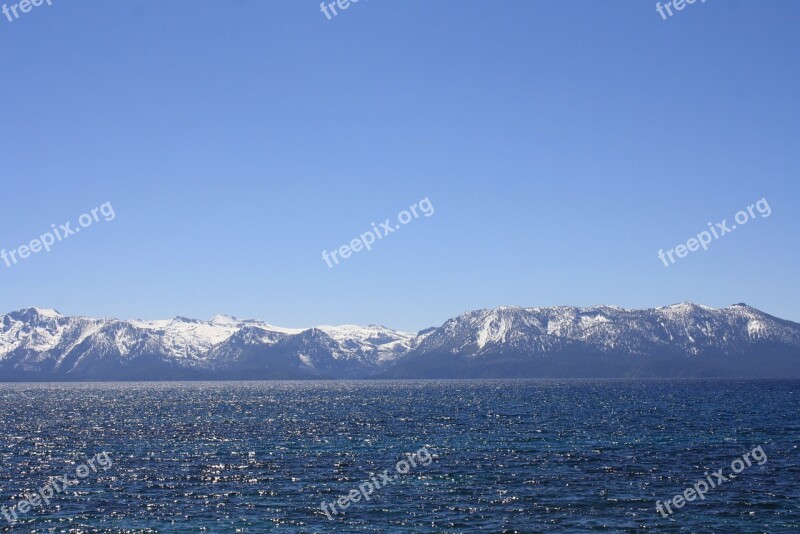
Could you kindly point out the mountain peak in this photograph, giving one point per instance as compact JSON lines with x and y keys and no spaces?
{"x":687,"y":306}
{"x":224,"y":320}
{"x":181,"y":319}
{"x":45,"y":312}
{"x":35,"y":312}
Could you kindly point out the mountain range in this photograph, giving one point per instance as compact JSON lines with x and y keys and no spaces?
{"x":679,"y":341}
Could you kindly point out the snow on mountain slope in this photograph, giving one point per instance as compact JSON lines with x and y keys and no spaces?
{"x":692,"y":339}
{"x":606,"y":328}
{"x":36,"y":340}
{"x":189,"y":338}
{"x":383,"y":343}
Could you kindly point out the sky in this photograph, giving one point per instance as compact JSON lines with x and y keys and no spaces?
{"x":560,"y":144}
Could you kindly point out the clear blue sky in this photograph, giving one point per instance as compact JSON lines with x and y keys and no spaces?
{"x":562,"y":144}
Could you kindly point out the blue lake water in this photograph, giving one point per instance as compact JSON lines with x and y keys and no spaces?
{"x":507,"y":456}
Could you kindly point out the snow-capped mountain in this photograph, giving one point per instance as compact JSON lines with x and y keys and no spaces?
{"x":682,"y":340}
{"x":39,"y":343}
{"x":605,"y":341}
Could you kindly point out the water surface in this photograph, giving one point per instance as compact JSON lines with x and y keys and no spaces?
{"x":526,"y":456}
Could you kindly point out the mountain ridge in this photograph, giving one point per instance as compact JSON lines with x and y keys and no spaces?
{"x":679,"y":340}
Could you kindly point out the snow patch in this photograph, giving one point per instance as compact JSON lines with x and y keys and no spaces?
{"x":47,"y":312}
